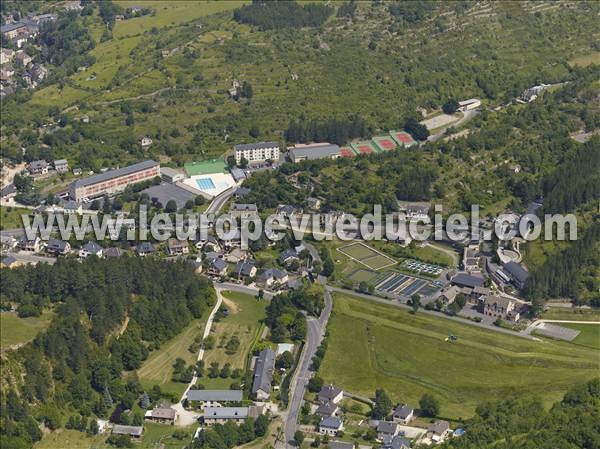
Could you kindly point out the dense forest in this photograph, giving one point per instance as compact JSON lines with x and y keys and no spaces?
{"x":338,"y":131}
{"x":269,"y":15}
{"x":570,"y":272}
{"x":76,"y":364}
{"x":574,"y":182}
{"x":523,"y":423}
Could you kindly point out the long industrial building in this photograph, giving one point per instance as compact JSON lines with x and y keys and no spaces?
{"x":113,"y":181}
{"x":303,"y":152}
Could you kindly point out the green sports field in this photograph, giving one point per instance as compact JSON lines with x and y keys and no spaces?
{"x":408,"y":356}
{"x":206,"y":167}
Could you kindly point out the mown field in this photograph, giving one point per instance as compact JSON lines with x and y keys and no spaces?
{"x":244,"y":322}
{"x":158,"y":368}
{"x":377,"y":346}
{"x":571,"y":314}
{"x":155,"y":436}
{"x":16,"y":331}
{"x":589,"y":335}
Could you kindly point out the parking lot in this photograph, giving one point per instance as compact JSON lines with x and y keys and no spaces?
{"x":423,"y":268}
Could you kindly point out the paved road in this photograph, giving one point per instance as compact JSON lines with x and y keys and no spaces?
{"x":432,"y":313}
{"x":28,"y":257}
{"x":187,"y":418}
{"x":468,"y":115}
{"x":314,"y":335}
{"x":241,"y":289}
{"x":218,"y":201}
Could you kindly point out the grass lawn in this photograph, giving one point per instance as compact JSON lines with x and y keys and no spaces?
{"x":408,"y":356}
{"x":158,"y":369}
{"x":571,"y":314}
{"x":10,"y":217}
{"x":584,"y":61}
{"x":155,"y":435}
{"x":15,"y":330}
{"x":589,"y":335}
{"x":243,"y":321}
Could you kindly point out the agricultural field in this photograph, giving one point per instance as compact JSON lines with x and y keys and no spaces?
{"x":589,"y":334}
{"x":561,"y":313}
{"x":17,"y":331}
{"x":408,"y":356}
{"x":244,"y":322}
{"x":158,"y":368}
{"x":367,"y":256}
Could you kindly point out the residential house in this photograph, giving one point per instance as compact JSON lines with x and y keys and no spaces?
{"x":90,"y":249}
{"x":398,"y":442}
{"x":211,"y":244}
{"x":10,"y":262}
{"x":145,"y":142}
{"x":135,"y":432}
{"x":272,"y":276}
{"x":403,"y":414}
{"x":288,"y":256}
{"x":241,"y":192}
{"x":162,"y":415}
{"x":448,"y":295}
{"x":438,"y":431}
{"x":33,"y":245}
{"x":245,"y":270}
{"x":221,"y":415}
{"x":58,"y":247}
{"x":327,"y":409}
{"x":331,"y":426}
{"x":236,"y":255}
{"x":263,"y":374}
{"x":214,"y":398}
{"x":145,"y":249}
{"x":8,"y":242}
{"x":238,"y":175}
{"x":12,"y":30}
{"x":23,"y":59}
{"x":113,"y":252}
{"x":314,"y":203}
{"x":387,"y":429}
{"x":330,"y":393}
{"x":240,"y":210}
{"x":6,"y":55}
{"x":177,"y":247}
{"x":61,"y":166}
{"x":38,"y":167}
{"x":218,"y":267}
{"x":287,"y":210}
{"x":196,"y":263}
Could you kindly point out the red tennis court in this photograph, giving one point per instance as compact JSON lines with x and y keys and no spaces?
{"x":365,"y":149}
{"x":404,"y":137}
{"x":346,"y":152}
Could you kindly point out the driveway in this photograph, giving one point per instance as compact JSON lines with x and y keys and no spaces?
{"x":186,"y":417}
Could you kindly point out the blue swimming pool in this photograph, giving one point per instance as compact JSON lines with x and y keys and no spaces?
{"x":205,"y":183}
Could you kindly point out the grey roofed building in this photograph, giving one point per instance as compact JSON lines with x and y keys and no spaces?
{"x":219,"y":265}
{"x":241,"y":192}
{"x":11,"y":27}
{"x":92,"y":247}
{"x":263,"y":373}
{"x":329,"y":393}
{"x":327,"y":409}
{"x":113,"y":252}
{"x":397,"y":442}
{"x":144,"y":248}
{"x":439,"y":427}
{"x":111,"y":174}
{"x":331,"y":422}
{"x":387,"y":427}
{"x":403,"y":411}
{"x":244,"y":269}
{"x":226,"y":412}
{"x":164,"y":413}
{"x":238,"y":174}
{"x":467,"y":280}
{"x":272,"y":273}
{"x":8,"y":190}
{"x":255,"y":146}
{"x":214,"y":395}
{"x":9,"y":260}
{"x":315,"y":151}
{"x":165,"y":192}
{"x":134,"y":431}
{"x":239,"y":207}
{"x":57,"y":246}
{"x":517,"y":273}
{"x":288,"y":255}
